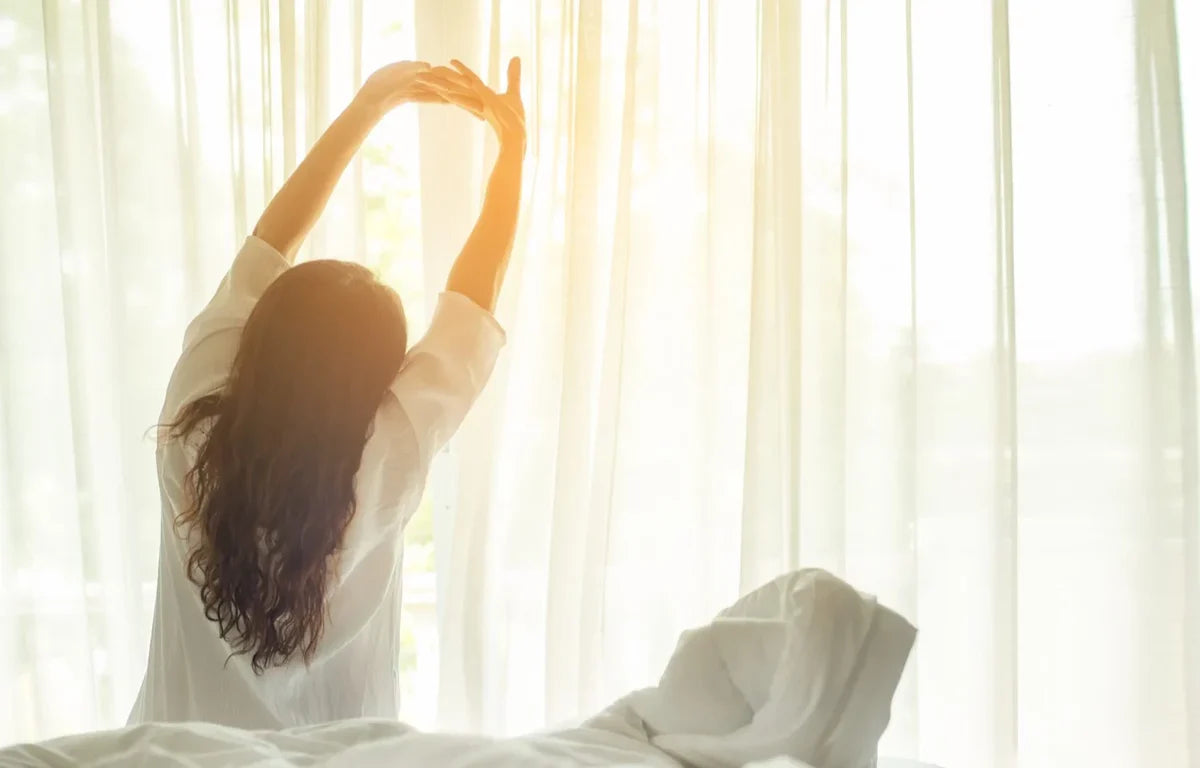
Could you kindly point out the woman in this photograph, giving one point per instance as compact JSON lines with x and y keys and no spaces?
{"x":298,"y":437}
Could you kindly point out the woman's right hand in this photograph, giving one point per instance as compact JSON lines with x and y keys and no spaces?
{"x":503,"y":111}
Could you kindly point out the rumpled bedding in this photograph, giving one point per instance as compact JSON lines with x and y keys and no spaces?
{"x":804,"y":668}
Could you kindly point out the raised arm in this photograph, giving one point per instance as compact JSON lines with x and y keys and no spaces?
{"x":299,"y":202}
{"x":479,"y":270}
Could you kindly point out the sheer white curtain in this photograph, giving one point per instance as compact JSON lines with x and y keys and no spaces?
{"x":898,"y":289}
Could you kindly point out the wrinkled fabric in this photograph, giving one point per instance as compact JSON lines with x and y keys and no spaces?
{"x":805,"y":666}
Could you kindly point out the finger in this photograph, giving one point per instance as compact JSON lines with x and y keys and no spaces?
{"x":426,"y":97}
{"x":418,"y":88}
{"x":451,"y":89}
{"x":473,"y":106}
{"x":449,"y":73}
{"x":447,"y":87}
{"x":514,"y":75}
{"x":467,"y":100}
{"x":493,"y":104}
{"x":468,"y":73}
{"x":453,"y":80}
{"x":491,"y":100}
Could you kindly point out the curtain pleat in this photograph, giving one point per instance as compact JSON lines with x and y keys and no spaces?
{"x":1170,"y":336}
{"x":771,"y":505}
{"x":237,"y":157}
{"x":1005,"y":535}
{"x":909,"y":694}
{"x":567,"y":607}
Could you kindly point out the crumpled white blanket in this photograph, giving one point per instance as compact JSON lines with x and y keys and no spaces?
{"x":804,"y":667}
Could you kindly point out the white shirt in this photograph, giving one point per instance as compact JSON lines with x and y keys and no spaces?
{"x":354,"y":671}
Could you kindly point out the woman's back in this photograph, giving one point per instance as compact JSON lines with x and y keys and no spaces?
{"x":204,"y":663}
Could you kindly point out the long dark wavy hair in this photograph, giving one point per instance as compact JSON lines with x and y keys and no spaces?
{"x":272,"y":487}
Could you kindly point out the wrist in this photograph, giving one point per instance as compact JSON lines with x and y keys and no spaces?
{"x":369,"y":107}
{"x":512,"y":150}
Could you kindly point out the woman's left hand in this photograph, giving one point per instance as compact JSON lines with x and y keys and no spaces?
{"x":395,"y":84}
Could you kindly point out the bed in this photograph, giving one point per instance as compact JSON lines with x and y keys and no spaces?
{"x":800,"y":672}
{"x":350,"y":743}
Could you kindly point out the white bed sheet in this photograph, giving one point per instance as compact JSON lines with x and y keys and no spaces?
{"x":365,"y":743}
{"x":804,"y":667}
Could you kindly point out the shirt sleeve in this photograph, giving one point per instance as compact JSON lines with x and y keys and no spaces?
{"x":211,"y":340}
{"x":446,"y":370}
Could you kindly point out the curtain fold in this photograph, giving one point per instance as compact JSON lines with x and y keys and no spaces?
{"x":1006,"y":621}
{"x":1170,"y":317}
{"x":899,"y":290}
